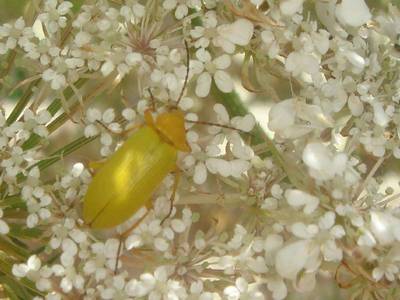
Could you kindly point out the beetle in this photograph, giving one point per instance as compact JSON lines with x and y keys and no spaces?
{"x":129,"y":177}
{"x":126,"y":181}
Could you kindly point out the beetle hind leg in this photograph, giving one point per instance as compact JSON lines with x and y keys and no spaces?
{"x":122,"y":238}
{"x":172,"y":198}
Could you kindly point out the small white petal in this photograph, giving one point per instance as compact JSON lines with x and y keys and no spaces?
{"x":223,"y":115}
{"x":82,"y":38}
{"x":178,"y":226}
{"x":200,"y":173}
{"x":222,"y":62}
{"x":129,"y":114}
{"x":291,"y":259}
{"x":133,"y":241}
{"x":4,"y":228}
{"x":240,"y":32}
{"x":203,"y":85}
{"x":223,"y":81}
{"x":161,"y":244}
{"x":353,"y":12}
{"x":290,"y":7}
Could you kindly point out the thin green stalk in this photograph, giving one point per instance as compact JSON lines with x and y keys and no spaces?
{"x":64,"y":117}
{"x":58,"y":155}
{"x":235,"y":107}
{"x":8,"y":63}
{"x":11,"y":248}
{"x":23,"y":101}
{"x":61,"y":153}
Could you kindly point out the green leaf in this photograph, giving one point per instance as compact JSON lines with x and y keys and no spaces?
{"x":13,"y":289}
{"x":13,"y":202}
{"x":22,"y":232}
{"x":12,"y":249}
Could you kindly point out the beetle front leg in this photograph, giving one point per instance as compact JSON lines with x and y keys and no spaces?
{"x":172,"y":198}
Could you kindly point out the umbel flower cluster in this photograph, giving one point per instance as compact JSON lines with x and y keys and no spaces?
{"x":256,"y":215}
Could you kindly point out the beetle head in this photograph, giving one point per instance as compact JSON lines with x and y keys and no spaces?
{"x":171,"y":125}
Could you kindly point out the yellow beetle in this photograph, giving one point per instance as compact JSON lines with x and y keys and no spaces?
{"x":130,"y":176}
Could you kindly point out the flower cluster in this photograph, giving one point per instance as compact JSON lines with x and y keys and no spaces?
{"x":255,"y":215}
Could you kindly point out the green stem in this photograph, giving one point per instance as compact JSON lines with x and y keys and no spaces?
{"x":61,"y":119}
{"x":235,"y":107}
{"x":8,"y":63}
{"x":23,"y":101}
{"x":61,"y":153}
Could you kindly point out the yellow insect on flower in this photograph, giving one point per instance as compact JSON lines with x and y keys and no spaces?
{"x":131,"y":175}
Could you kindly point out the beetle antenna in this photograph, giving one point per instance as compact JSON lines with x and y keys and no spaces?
{"x":216,"y":125}
{"x":153,"y":102}
{"x":187,"y":73}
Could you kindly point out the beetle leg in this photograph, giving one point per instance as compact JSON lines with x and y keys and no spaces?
{"x":153,"y":102}
{"x":96,"y":165}
{"x":123,"y":236}
{"x":130,"y":129}
{"x":172,"y":198}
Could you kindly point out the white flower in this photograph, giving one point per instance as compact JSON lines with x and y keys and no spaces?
{"x":15,"y":34}
{"x":54,"y":16}
{"x":351,"y":213}
{"x":103,"y":124}
{"x":57,"y":80}
{"x":290,"y":7}
{"x":205,"y":33}
{"x":301,"y":63}
{"x":213,"y":69}
{"x":134,"y":12}
{"x":181,"y":6}
{"x":292,"y":258}
{"x":213,"y":161}
{"x":34,"y":271}
{"x":388,"y":271}
{"x":387,"y":267}
{"x":278,"y":288}
{"x":241,"y":291}
{"x":292,"y":118}
{"x":35,"y":123}
{"x":322,"y":163}
{"x":238,"y":33}
{"x":297,"y":199}
{"x":82,"y":38}
{"x":353,"y":12}
{"x":158,"y":285}
{"x":385,"y":227}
